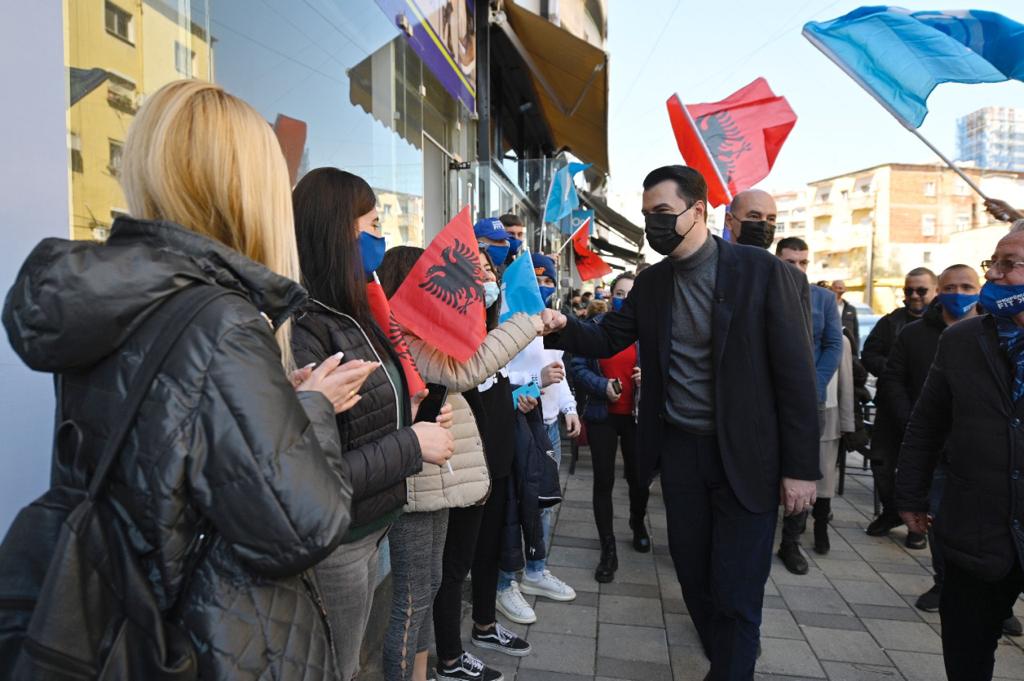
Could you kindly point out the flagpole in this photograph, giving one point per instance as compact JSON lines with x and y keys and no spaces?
{"x":707,"y":152}
{"x":814,"y":40}
{"x":569,"y":240}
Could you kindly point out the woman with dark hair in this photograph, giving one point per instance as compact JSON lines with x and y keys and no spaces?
{"x":610,"y":389}
{"x":339,"y":248}
{"x":481,"y":396}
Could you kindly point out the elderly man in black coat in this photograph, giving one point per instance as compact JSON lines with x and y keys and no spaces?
{"x":729,"y":407}
{"x":971,"y":409}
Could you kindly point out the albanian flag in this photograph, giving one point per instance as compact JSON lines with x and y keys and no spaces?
{"x":442,"y":299}
{"x":380,"y":308}
{"x":588,"y":264}
{"x":734,"y":142}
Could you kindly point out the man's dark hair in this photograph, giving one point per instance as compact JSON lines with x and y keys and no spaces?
{"x":509,"y":220}
{"x":586,"y":295}
{"x":793,"y":243}
{"x":616,"y":280}
{"x":923,"y":272}
{"x":690,"y":184}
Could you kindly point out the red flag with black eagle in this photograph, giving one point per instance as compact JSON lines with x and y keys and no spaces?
{"x":380,"y":308}
{"x":588,"y":264}
{"x":732,"y":143}
{"x":442,"y":299}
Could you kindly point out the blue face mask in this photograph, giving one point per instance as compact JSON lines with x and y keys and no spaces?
{"x":1002,"y":301}
{"x":617,"y":303}
{"x":958,"y":305}
{"x":491,"y":292}
{"x":546,"y":292}
{"x":513,"y":247}
{"x":371,"y":249}
{"x":497,"y":253}
{"x":598,"y":295}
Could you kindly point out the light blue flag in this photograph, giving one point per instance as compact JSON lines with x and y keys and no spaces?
{"x":519,"y":292}
{"x":899,"y":56}
{"x":576,"y":221}
{"x":562,"y":198}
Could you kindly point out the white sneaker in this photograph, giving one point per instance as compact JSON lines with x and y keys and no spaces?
{"x":512,"y":605}
{"x":548,"y":586}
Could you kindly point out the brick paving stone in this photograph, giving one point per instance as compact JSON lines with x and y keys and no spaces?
{"x":637,"y":590}
{"x":576,"y":542}
{"x":561,"y":653}
{"x":680,"y":631}
{"x":644,"y":612}
{"x":542,"y":675}
{"x":885,"y":612}
{"x":565,"y":618}
{"x":625,"y":642}
{"x":919,"y":666}
{"x":908,"y":585}
{"x":846,"y":569}
{"x":779,"y":624}
{"x":572,"y":557}
{"x":855,"y":671}
{"x":1009,"y":661}
{"x":689,"y":663}
{"x":911,"y":636}
{"x":814,"y":599}
{"x":845,"y":646}
{"x":634,"y":670}
{"x":828,"y":621}
{"x":788,"y":657}
{"x":867,"y":593}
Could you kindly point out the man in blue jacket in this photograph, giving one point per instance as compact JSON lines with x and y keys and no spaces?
{"x":827,"y":343}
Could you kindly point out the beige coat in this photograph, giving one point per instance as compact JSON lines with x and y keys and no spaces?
{"x":434,"y":487}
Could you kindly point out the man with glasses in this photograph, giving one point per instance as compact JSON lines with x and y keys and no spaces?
{"x":919,"y":290}
{"x":971,"y":412}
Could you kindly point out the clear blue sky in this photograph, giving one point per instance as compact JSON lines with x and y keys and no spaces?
{"x":712,"y":48}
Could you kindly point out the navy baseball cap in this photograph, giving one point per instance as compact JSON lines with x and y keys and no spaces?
{"x":491,"y":228}
{"x":544,"y":266}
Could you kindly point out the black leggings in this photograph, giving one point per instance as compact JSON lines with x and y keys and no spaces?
{"x":604,"y":437}
{"x":459,"y":550}
{"x":488,"y":552}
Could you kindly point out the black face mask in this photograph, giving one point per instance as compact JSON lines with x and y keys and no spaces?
{"x":758,"y":233}
{"x":661,"y":231}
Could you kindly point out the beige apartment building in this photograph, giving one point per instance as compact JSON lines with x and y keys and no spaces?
{"x":891,"y":218}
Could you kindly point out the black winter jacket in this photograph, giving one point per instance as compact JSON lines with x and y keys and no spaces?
{"x":379,"y":454}
{"x":221,"y":437}
{"x":966,"y":410}
{"x":879,"y":343}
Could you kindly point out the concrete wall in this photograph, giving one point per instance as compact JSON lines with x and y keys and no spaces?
{"x":33,"y":205}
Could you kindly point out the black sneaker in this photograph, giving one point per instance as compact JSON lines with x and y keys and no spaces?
{"x":501,"y":639}
{"x":929,"y":600}
{"x":916,"y":541}
{"x":467,"y":668}
{"x":1012,"y":626}
{"x":881,"y":525}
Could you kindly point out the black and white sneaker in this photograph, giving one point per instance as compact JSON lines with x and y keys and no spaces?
{"x":468,"y":668}
{"x":501,"y":639}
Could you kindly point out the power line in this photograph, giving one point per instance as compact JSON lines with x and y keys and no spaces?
{"x":278,"y":52}
{"x":640,"y":72}
{"x":336,"y":27}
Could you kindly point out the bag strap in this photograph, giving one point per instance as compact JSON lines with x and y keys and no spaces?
{"x":177,"y":313}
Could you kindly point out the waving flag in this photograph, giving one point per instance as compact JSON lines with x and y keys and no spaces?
{"x":442,"y":299}
{"x":519,"y":291}
{"x":579,"y":217}
{"x":380,"y":308}
{"x":588,"y":264}
{"x":732,"y":143}
{"x":899,"y":56}
{"x":562,"y":197}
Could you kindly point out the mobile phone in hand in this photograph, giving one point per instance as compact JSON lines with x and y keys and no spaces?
{"x":617,"y":386}
{"x":431,"y":405}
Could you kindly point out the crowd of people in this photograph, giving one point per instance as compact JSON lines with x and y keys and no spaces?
{"x":282,"y":428}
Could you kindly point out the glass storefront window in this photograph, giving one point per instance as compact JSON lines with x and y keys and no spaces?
{"x":338,"y":80}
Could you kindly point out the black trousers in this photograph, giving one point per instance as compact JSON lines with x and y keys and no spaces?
{"x":972,"y":613}
{"x":488,"y":553}
{"x":722,"y":553}
{"x":605,"y":437}
{"x":884,"y":473}
{"x":457,"y":561}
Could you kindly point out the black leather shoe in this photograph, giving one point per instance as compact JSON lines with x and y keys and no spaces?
{"x":883,"y":524}
{"x":916,"y":541}
{"x":791,"y":557}
{"x":609,"y":561}
{"x":641,"y":540}
{"x":1012,"y":626}
{"x":929,"y":600}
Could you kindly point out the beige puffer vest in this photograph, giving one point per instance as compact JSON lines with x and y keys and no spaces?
{"x":435,"y":488}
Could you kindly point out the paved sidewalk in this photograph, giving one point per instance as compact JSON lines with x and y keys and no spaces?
{"x":850,"y":619}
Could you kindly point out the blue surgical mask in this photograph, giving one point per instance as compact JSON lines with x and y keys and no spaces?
{"x":371,"y":249}
{"x":598,"y":295}
{"x":498,"y":254}
{"x":617,"y":303}
{"x":491,"y":293}
{"x":546,"y":292}
{"x":1002,"y":301}
{"x":513,"y":247}
{"x":958,"y":305}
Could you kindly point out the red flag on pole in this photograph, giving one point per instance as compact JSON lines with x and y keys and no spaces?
{"x":380,"y":308}
{"x":442,"y":299}
{"x":734,"y":142}
{"x":588,"y":264}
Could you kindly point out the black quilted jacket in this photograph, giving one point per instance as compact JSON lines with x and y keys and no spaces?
{"x":221,"y":436}
{"x":379,"y":454}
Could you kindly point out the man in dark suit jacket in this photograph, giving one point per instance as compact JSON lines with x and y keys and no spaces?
{"x":972,"y":408}
{"x":729,"y":407}
{"x":848,"y":314}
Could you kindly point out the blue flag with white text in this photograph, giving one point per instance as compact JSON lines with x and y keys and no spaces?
{"x":562,"y":197}
{"x":576,"y":221}
{"x":899,"y":56}
{"x":519,"y":291}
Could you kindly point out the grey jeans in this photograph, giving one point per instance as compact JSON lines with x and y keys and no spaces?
{"x":347,"y":579}
{"x":417,"y":545}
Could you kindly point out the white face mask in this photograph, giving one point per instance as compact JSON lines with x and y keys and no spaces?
{"x":491,"y":293}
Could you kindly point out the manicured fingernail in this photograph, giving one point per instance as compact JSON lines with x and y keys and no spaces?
{"x":310,"y":365}
{"x":338,"y":355}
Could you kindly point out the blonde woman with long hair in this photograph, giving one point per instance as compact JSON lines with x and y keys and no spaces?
{"x":229,"y":442}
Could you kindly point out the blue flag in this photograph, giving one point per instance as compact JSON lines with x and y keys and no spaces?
{"x":576,"y":221}
{"x":562,"y":198}
{"x":519,"y":291}
{"x":899,"y":56}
